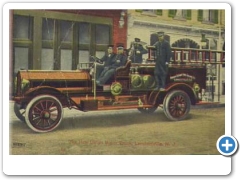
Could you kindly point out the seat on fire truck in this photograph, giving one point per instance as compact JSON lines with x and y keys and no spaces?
{"x":123,"y":71}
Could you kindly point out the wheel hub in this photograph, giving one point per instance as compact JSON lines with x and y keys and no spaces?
{"x":177,"y":105}
{"x":45,"y":115}
{"x":181,"y":105}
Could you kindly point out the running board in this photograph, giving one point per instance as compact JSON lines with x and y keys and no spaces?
{"x":123,"y":107}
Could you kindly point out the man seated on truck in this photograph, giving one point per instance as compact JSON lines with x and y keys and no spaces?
{"x":107,"y":60}
{"x":108,"y":71}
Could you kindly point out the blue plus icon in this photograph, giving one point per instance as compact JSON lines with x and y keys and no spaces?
{"x":227,"y":145}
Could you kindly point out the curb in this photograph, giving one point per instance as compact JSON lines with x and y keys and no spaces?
{"x":205,"y":106}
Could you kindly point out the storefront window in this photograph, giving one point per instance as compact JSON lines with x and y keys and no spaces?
{"x":66,"y":59}
{"x":102,"y":34}
{"x":22,"y":27}
{"x":47,"y":29}
{"x":47,"y":62}
{"x":21,"y":59}
{"x":84,"y":33}
{"x":66,"y":31}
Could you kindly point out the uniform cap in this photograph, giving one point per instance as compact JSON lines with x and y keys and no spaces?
{"x":120,"y":46}
{"x":160,"y":33}
{"x":137,"y":40}
{"x":110,"y":46}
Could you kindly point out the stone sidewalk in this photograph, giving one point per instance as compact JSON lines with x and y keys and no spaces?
{"x":218,"y":102}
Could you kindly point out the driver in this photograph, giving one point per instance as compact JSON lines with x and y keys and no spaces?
{"x":107,"y":60}
{"x":119,"y":60}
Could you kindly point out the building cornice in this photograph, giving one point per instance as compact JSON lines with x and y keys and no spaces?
{"x":184,"y":29}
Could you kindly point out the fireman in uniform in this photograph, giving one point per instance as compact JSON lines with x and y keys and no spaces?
{"x":163,"y":55}
{"x":119,"y":60}
{"x":136,"y":51}
{"x":107,"y":60}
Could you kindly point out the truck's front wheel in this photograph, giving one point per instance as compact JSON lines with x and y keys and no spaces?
{"x":44,"y":113}
{"x":176,"y":105}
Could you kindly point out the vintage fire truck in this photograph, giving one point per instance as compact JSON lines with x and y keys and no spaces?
{"x":41,"y":95}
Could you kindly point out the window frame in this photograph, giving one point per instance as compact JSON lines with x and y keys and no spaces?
{"x":24,"y":43}
{"x":187,"y":14}
{"x":150,"y":12}
{"x":211,"y":20}
{"x":35,"y":49}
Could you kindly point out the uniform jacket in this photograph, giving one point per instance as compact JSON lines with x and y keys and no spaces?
{"x":119,"y":60}
{"x":163,"y":51}
{"x":137,"y":57}
{"x":108,"y":59}
{"x":163,"y":55}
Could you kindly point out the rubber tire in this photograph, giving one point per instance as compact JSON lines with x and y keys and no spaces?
{"x":17,"y":112}
{"x":169,"y":99}
{"x":33,"y":102}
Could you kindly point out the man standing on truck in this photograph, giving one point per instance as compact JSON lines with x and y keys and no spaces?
{"x":119,"y":60}
{"x":163,"y":55}
{"x":136,"y":51}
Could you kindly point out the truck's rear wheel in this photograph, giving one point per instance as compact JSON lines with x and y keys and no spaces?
{"x":176,"y":105}
{"x":44,"y":113}
{"x":19,"y":111}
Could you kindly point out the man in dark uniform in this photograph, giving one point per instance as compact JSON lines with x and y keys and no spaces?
{"x":163,"y":55}
{"x":107,"y":60}
{"x":136,"y":51}
{"x":119,"y":60}
{"x":109,"y":56}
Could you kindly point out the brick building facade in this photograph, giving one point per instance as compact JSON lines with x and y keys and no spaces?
{"x":61,"y":39}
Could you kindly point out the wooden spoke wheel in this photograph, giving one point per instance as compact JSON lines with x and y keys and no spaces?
{"x":147,"y":110}
{"x":176,"y":105}
{"x":44,"y":113}
{"x":19,"y":111}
